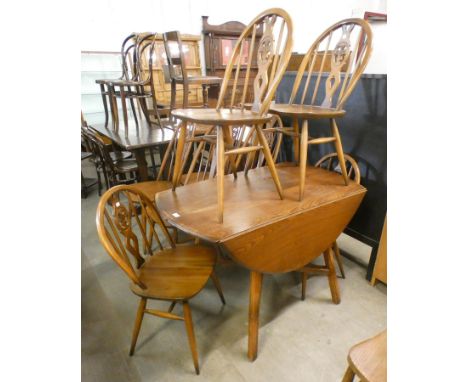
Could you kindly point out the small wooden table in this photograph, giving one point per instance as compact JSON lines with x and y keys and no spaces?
{"x":260,"y":231}
{"x":137,"y":140}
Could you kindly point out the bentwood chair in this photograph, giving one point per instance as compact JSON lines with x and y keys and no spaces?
{"x":178,"y":71}
{"x":273,"y":53}
{"x":347,"y":44}
{"x":139,"y":87}
{"x":126,"y":223}
{"x":330,"y":162}
{"x":368,"y":360}
{"x":128,"y":67}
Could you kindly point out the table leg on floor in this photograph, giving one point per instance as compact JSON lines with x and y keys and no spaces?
{"x":256,"y":279}
{"x":142,"y":164}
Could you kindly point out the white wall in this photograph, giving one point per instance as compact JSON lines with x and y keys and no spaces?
{"x":106,"y":23}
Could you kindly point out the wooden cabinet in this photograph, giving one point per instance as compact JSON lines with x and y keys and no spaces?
{"x":219,"y":41}
{"x":190,"y":46}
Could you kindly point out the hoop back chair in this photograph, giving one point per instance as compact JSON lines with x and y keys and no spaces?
{"x":140,"y":86}
{"x":273,"y":53}
{"x":126,"y":223}
{"x":126,"y":54}
{"x":331,"y":162}
{"x":348,"y":44}
{"x":178,"y":71}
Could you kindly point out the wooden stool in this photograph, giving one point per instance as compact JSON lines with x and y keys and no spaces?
{"x":368,"y":360}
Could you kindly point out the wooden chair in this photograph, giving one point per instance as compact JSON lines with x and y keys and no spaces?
{"x":139,"y":87}
{"x":178,"y":71}
{"x":126,"y":53}
{"x":368,"y":360}
{"x":126,"y":222}
{"x":347,"y":45}
{"x":274,"y":51}
{"x":331,"y":162}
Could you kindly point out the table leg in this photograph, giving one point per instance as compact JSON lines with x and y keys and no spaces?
{"x":142,"y":164}
{"x":254,"y":309}
{"x":296,"y":140}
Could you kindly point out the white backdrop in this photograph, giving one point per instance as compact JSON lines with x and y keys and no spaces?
{"x":105,"y":23}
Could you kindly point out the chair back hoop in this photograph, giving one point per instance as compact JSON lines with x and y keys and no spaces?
{"x":127,"y":55}
{"x":126,"y":223}
{"x":145,"y":43}
{"x":347,"y":47}
{"x":175,"y":54}
{"x":273,"y":52}
{"x":331,"y":163}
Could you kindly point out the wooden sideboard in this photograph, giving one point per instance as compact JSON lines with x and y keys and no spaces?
{"x":190,"y":46}
{"x":219,"y":41}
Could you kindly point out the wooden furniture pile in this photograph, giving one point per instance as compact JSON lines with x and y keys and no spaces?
{"x":218,"y":179}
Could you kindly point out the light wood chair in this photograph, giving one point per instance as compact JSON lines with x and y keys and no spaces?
{"x":346,"y":45}
{"x":274,"y":51}
{"x":368,"y":360}
{"x":331,"y":162}
{"x":127,"y":222}
{"x":178,"y":71}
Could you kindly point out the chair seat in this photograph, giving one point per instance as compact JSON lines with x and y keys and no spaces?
{"x":306,"y":111}
{"x":151,"y":188}
{"x":221,"y":116}
{"x":368,"y":359}
{"x":200,"y":80}
{"x":176,"y":274}
{"x":119,"y":155}
{"x":126,"y":165}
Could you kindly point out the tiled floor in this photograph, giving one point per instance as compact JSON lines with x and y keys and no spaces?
{"x":299,"y":340}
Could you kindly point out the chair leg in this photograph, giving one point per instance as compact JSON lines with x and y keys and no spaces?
{"x":186,"y":91}
{"x":269,"y":160}
{"x":304,"y":285}
{"x":191,"y":335}
{"x":173,"y":94}
{"x":171,"y":308}
{"x":138,"y":320}
{"x":339,"y":150}
{"x":104,"y":101}
{"x":303,"y":157}
{"x":124,"y":108}
{"x":336,"y":251}
{"x":179,"y":153}
{"x":220,"y":172}
{"x":114,"y":108}
{"x":218,"y":286}
{"x":332,"y":279}
{"x":349,"y":375}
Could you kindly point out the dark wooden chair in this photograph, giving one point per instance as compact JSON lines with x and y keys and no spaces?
{"x":126,"y":224}
{"x":128,"y":67}
{"x":87,"y":183}
{"x":368,"y":360}
{"x":331,"y":162}
{"x":274,"y":51}
{"x":346,"y":46}
{"x":178,"y":72}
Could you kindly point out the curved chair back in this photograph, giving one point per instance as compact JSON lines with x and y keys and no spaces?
{"x":126,"y":223}
{"x":273,"y":52}
{"x":346,"y":48}
{"x":331,"y":163}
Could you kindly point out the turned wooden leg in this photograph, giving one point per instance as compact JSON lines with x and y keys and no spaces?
{"x":304,"y":285}
{"x":296,"y":140}
{"x":269,"y":160}
{"x":114,"y":108}
{"x":173,"y":94}
{"x":124,"y":109}
{"x":137,"y":326}
{"x":339,"y":150}
{"x":186,"y":92}
{"x":229,"y":142}
{"x":218,"y":287}
{"x":178,"y":158}
{"x":140,"y":158}
{"x":336,"y":251}
{"x":104,"y":101}
{"x":349,"y":375}
{"x":220,"y":171}
{"x":332,"y":279}
{"x":254,"y":309}
{"x":191,"y":335}
{"x":171,"y":307}
{"x":303,"y":160}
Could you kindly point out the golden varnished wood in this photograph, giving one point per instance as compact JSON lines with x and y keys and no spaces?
{"x":129,"y":228}
{"x":262,"y":233}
